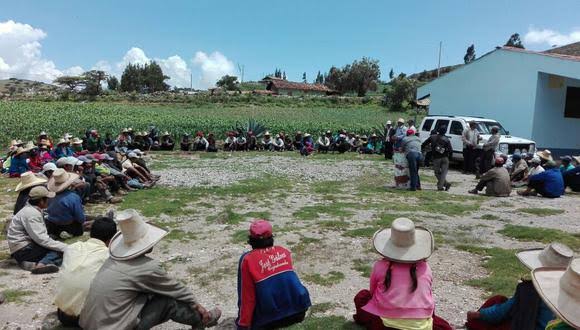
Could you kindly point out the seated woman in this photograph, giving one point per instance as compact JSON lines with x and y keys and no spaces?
{"x":166,"y":142}
{"x":19,"y":163}
{"x":252,"y":141}
{"x":211,"y":147}
{"x":186,"y":142}
{"x":307,"y":145}
{"x":400,"y":295}
{"x":200,"y":142}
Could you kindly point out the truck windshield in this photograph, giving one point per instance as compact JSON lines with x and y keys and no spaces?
{"x":484,"y":127}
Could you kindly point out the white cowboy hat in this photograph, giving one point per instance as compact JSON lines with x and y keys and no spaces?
{"x":61,"y":180}
{"x":559,"y":288}
{"x":553,"y":255}
{"x":48,"y":167}
{"x":135,"y":237}
{"x":39,"y":192}
{"x":267,"y":133}
{"x":61,"y":141}
{"x":545,"y":154}
{"x":404,"y":242}
{"x":29,"y":179}
{"x":21,"y":150}
{"x":577,"y":159}
{"x":401,"y":120}
{"x":77,"y":141}
{"x":389,"y":122}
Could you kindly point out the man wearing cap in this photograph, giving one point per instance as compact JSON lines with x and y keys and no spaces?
{"x":496,"y":181}
{"x":400,"y":133}
{"x":65,"y":212}
{"x":549,"y":183}
{"x":389,"y":132}
{"x":441,"y":153}
{"x":270,"y":294}
{"x":48,"y":169}
{"x":470,"y":138}
{"x":133,"y":291}
{"x":28,"y":239}
{"x":566,"y":164}
{"x":525,"y":310}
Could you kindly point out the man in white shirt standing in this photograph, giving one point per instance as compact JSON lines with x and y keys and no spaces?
{"x":82,"y":261}
{"x":470,"y":140}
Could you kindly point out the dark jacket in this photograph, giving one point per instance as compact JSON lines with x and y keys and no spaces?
{"x":440,"y":141}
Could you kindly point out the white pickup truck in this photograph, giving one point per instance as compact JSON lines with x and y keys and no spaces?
{"x":508,"y":144}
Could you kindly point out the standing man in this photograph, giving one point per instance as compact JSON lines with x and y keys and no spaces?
{"x":470,"y":139}
{"x":441,"y":153}
{"x":489,"y":150}
{"x":389,"y":131}
{"x":400,"y":133}
{"x":411,"y":146}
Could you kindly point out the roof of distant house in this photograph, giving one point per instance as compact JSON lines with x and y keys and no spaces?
{"x":570,"y":49}
{"x":285,"y":84}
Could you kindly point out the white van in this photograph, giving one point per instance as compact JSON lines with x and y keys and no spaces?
{"x":508,"y":144}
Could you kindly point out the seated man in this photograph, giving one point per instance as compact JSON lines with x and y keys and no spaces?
{"x":28,"y":240}
{"x":270,"y":294}
{"x":241,"y":143}
{"x":495,"y":181}
{"x":230,"y":142}
{"x":166,"y":142}
{"x":266,"y":143}
{"x":549,"y":183}
{"x":324,"y":142}
{"x":572,"y":177}
{"x":252,"y":143}
{"x":200,"y":142}
{"x":520,"y":169}
{"x":566,"y":164}
{"x":211,"y":143}
{"x":133,"y":291}
{"x":525,"y":310}
{"x":186,"y":142}
{"x":278,"y":143}
{"x":65,"y":212}
{"x":82,"y":261}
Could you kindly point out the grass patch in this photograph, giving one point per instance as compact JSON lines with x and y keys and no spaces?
{"x":258,"y":215}
{"x":544,"y":235}
{"x":3,"y":273}
{"x":503,"y":267}
{"x":434,"y":202}
{"x":240,"y":236}
{"x":362,"y":266}
{"x":361,"y":232}
{"x":333,"y":224}
{"x":327,"y":187}
{"x":325,"y":322}
{"x":386,"y":219}
{"x":489,"y":217}
{"x":327,"y":280}
{"x":180,"y":235}
{"x":227,"y":216}
{"x":159,"y":200}
{"x":15,"y":296}
{"x":322,"y":307}
{"x":540,"y":212}
{"x":333,"y":210}
{"x":5,"y":255}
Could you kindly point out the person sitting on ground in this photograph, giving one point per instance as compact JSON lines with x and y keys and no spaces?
{"x":167,"y":142}
{"x":411,"y":146}
{"x":270,"y":295}
{"x":520,"y":169}
{"x":324,"y":142}
{"x":363,"y":145}
{"x":134,"y":170}
{"x":48,"y":169}
{"x":545,"y":156}
{"x":141,"y":162}
{"x":43,"y":138}
{"x":252,"y":141}
{"x":19,"y":162}
{"x":108,"y":143}
{"x":298,"y":140}
{"x":200,"y":142}
{"x":94,"y":142}
{"x":81,"y":262}
{"x":307,"y":145}
{"x":288,"y":144}
{"x":549,"y":183}
{"x":62,"y":149}
{"x":77,"y":146}
{"x":495,"y":181}
{"x":186,"y":142}
{"x":266,"y":143}
{"x":28,"y":180}
{"x":525,"y":309}
{"x":374,"y":145}
{"x":572,"y":177}
{"x":28,"y":240}
{"x":241,"y":142}
{"x":341,"y":144}
{"x":211,"y":143}
{"x":558,"y":289}
{"x":230,"y":142}
{"x":400,"y":294}
{"x":441,"y":153}
{"x":44,"y":152}
{"x":35,"y":161}
{"x":355,"y":143}
{"x":278,"y":143}
{"x":566,"y":164}
{"x":133,"y":291}
{"x":124,"y":139}
{"x":65,"y":212}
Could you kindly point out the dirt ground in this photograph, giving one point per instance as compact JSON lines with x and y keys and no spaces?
{"x":316,"y":212}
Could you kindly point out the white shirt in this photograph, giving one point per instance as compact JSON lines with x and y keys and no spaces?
{"x":536,"y":170}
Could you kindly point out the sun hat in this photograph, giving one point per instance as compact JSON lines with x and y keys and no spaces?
{"x":135,"y":237}
{"x":29,"y":179}
{"x":43,"y":133}
{"x":61,"y":162}
{"x":307,"y":135}
{"x":404,"y":242}
{"x":389,"y":122}
{"x":545,"y":154}
{"x":261,"y":229}
{"x":48,"y":167}
{"x":61,"y":180}
{"x":77,"y":141}
{"x":577,"y":159}
{"x":553,"y":255}
{"x":559,"y":288}
{"x":267,"y":133}
{"x":328,"y":132}
{"x":61,"y":141}
{"x":21,"y":150}
{"x":410,"y":132}
{"x":73,"y":161}
{"x":129,"y":129}
{"x":124,"y":130}
{"x":39,"y":192}
{"x":166,"y":133}
{"x":401,"y":121}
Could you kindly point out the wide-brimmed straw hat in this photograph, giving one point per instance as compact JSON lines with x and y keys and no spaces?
{"x":545,"y":154}
{"x":61,"y":180}
{"x":401,"y":121}
{"x":267,"y":133}
{"x":404,"y":242}
{"x":553,"y":255}
{"x":62,"y":141}
{"x":166,"y":133}
{"x":577,"y":159}
{"x":77,"y":141}
{"x":21,"y":150}
{"x":29,"y":179}
{"x":135,"y":237}
{"x":559,"y":288}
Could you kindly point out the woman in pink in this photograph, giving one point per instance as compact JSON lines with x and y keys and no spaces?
{"x":400,"y":295}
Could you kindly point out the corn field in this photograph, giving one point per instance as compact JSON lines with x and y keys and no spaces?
{"x":25,"y":119}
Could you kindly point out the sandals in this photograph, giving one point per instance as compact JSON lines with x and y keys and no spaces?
{"x":46,"y":269}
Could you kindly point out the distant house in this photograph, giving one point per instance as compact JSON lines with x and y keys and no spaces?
{"x":534,"y":95}
{"x":280,"y":86}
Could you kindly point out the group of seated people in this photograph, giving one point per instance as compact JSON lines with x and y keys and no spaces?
{"x":111,"y":282}
{"x":538,"y":174}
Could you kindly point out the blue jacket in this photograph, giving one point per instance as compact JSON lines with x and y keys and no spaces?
{"x":552,"y":180}
{"x":18,"y":165}
{"x":498,"y":313}
{"x":65,"y":209}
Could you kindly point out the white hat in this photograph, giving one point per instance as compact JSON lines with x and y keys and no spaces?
{"x":73,"y":161}
{"x":77,"y":141}
{"x":135,"y":237}
{"x":389,"y":122}
{"x":132,"y":155}
{"x":61,"y":180}
{"x":29,"y":179}
{"x":559,"y":288}
{"x":553,"y":255}
{"x":401,"y":120}
{"x":138,"y":152}
{"x":48,"y":167}
{"x":545,"y":154}
{"x":39,"y":192}
{"x":404,"y":242}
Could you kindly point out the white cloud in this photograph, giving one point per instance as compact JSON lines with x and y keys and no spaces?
{"x":102,"y":65}
{"x":212,"y":67}
{"x":550,"y":37}
{"x":73,"y":71}
{"x":176,"y":68}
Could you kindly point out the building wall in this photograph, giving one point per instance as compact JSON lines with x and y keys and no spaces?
{"x":501,"y":85}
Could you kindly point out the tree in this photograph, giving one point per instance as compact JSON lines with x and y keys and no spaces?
{"x":131,"y":78}
{"x":515,"y":41}
{"x":360,"y":77}
{"x":469,"y":55}
{"x":229,"y":83}
{"x":319,"y":78}
{"x":334,"y":79}
{"x":284,"y":75}
{"x":93,"y":81}
{"x":401,"y":93}
{"x":391,"y":74}
{"x":304,"y":78}
{"x":154,"y":79}
{"x":148,"y":78}
{"x":112,"y":83}
{"x":73,"y":83}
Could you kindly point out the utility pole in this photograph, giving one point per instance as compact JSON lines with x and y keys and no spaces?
{"x":241,"y":68}
{"x":191,"y":82}
{"x":439,"y":64}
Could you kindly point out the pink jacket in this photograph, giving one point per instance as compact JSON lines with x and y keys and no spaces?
{"x":398,"y":302}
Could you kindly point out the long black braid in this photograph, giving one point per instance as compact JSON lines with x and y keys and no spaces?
{"x":412,"y":271}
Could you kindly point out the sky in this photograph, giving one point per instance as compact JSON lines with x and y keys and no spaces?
{"x":203,"y":39}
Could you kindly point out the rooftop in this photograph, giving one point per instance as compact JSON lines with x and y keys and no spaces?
{"x":570,"y":50}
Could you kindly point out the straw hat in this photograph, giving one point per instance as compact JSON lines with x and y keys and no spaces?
{"x":166,"y":133}
{"x":545,"y":154}
{"x":389,"y":122}
{"x":267,"y":133}
{"x":404,"y":242}
{"x":77,"y":141}
{"x":401,"y":121}
{"x":135,"y":236}
{"x":559,"y":288}
{"x":61,"y":141}
{"x":577,"y":159}
{"x":307,"y":135}
{"x":61,"y":180}
{"x":553,"y":255}
{"x":40,"y":192}
{"x":125,"y":130}
{"x":21,"y":150}
{"x":43,"y":133}
{"x":29,"y":179}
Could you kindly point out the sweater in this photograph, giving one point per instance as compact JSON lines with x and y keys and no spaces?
{"x":552,"y":180}
{"x":26,"y":227}
{"x":398,"y":302}
{"x":268,"y":288}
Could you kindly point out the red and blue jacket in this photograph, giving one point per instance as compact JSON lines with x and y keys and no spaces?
{"x":268,"y":288}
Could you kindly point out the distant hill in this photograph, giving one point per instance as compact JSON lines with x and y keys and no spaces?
{"x":428,"y":75}
{"x":20,"y":87}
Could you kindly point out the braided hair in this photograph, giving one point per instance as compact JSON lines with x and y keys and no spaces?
{"x":412,"y":272}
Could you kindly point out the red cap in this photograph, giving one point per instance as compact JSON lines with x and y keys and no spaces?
{"x":499,"y":161}
{"x":410,"y":132}
{"x":261,"y":229}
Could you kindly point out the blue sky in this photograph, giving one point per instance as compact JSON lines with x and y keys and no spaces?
{"x":297,"y":36}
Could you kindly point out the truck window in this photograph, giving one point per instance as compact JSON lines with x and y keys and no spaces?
{"x":427,"y":125}
{"x":456,"y":128}
{"x":441,"y":123}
